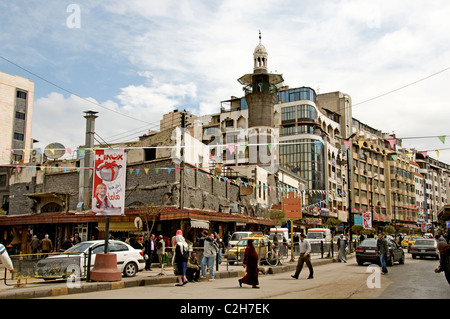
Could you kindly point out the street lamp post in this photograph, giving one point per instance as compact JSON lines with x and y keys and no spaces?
{"x":349,"y":183}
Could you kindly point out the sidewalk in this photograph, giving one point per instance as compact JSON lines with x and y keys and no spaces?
{"x":143,"y":278}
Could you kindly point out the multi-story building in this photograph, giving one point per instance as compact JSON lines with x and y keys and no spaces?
{"x":16,"y":112}
{"x":436,"y":186}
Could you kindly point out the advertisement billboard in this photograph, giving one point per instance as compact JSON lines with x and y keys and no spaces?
{"x":109,"y":178}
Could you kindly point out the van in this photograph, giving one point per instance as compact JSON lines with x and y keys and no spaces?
{"x":281,"y":232}
{"x":316,"y":235}
{"x":237,"y":236}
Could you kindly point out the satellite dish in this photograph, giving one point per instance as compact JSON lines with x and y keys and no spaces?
{"x":54,"y":150}
{"x":138,"y":223}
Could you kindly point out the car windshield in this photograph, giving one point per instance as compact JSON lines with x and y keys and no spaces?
{"x":238,"y":236}
{"x":314,"y":236}
{"x":279,"y":236}
{"x":244,"y":242}
{"x":415,"y":238}
{"x":422,"y":242}
{"x":78,"y":248}
{"x":369,"y":242}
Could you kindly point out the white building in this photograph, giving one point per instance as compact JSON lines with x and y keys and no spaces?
{"x":16,"y":112}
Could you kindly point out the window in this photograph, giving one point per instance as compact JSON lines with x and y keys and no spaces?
{"x":20,"y":115}
{"x":18,"y":136}
{"x":149,"y":154}
{"x":229,"y":123}
{"x":3,"y":180}
{"x":21,"y":95}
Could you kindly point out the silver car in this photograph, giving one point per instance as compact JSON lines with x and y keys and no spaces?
{"x":424,"y":248}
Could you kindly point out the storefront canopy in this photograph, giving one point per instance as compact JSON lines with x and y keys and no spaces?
{"x":197,"y":223}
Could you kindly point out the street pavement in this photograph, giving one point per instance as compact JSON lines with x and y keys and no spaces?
{"x":32,"y":288}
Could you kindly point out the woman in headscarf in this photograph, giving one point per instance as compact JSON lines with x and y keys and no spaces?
{"x":181,"y":258}
{"x":251,"y":262}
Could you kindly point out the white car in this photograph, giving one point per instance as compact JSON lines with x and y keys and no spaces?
{"x":129,"y":259}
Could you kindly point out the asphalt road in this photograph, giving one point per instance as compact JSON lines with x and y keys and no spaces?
{"x":413,"y":280}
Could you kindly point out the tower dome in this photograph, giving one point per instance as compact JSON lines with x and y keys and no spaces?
{"x":260,"y":57}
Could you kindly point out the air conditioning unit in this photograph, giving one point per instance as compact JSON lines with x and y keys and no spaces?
{"x":35,"y":157}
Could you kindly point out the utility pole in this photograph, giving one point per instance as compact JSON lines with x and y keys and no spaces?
{"x":349,"y":190}
{"x":182,"y":153}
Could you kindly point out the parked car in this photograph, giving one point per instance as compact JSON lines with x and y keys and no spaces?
{"x":424,"y":248}
{"x":367,"y":252}
{"x":129,"y":260}
{"x":262,"y":245}
{"x":237,"y":236}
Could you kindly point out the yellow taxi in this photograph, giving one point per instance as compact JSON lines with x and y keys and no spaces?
{"x":405,"y":241}
{"x":236,"y":254}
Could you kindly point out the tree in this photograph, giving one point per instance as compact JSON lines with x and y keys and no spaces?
{"x":278,"y":216}
{"x":332,"y":224}
{"x":389,"y":229}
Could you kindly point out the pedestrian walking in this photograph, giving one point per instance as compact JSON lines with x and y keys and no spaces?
{"x":139,"y":243}
{"x":210,"y":250}
{"x":181,"y":258}
{"x":382,"y":250}
{"x":305,"y":257}
{"x":46,"y":245}
{"x":68,"y":243}
{"x":35,"y":244}
{"x":5,"y":259}
{"x":161,"y":249}
{"x":221,"y":247}
{"x":342,"y":245}
{"x":251,"y":264}
{"x":149,"y":251}
{"x":444,"y":260}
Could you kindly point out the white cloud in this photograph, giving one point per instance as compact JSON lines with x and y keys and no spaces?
{"x":190,"y":53}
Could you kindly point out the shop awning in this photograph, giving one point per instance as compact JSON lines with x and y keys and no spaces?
{"x":117,"y":226}
{"x":197,"y":223}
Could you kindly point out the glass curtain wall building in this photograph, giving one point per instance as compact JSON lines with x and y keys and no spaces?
{"x":301,"y":148}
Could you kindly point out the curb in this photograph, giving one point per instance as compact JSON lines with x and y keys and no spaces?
{"x":85,"y":287}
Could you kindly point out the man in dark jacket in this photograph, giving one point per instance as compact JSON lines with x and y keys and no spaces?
{"x":382,"y":250}
{"x":444,"y":262}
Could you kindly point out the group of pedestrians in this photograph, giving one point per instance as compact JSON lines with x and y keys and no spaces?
{"x":187,"y":265}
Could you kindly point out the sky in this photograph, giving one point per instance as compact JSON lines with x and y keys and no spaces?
{"x":133,"y":61}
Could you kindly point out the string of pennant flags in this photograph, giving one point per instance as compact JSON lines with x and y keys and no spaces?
{"x":169,"y":170}
{"x":392,"y":142}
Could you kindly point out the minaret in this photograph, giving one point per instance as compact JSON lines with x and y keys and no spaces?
{"x":260,"y":93}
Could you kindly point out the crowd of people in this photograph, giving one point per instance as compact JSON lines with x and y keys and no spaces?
{"x":188,"y":267}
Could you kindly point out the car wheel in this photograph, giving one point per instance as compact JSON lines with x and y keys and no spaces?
{"x":402,"y":259}
{"x":390,"y":262}
{"x":360,"y":262}
{"x":413,"y":256}
{"x":130,"y":269}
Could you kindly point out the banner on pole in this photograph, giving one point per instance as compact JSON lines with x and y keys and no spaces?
{"x":367,"y":220}
{"x":108,"y":192}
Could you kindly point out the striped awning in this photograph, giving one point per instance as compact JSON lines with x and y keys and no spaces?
{"x":197,"y":223}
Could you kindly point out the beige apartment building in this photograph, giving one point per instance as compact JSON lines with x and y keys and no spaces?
{"x":16,"y":111}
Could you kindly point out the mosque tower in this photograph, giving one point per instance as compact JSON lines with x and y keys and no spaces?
{"x":260,"y":93}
